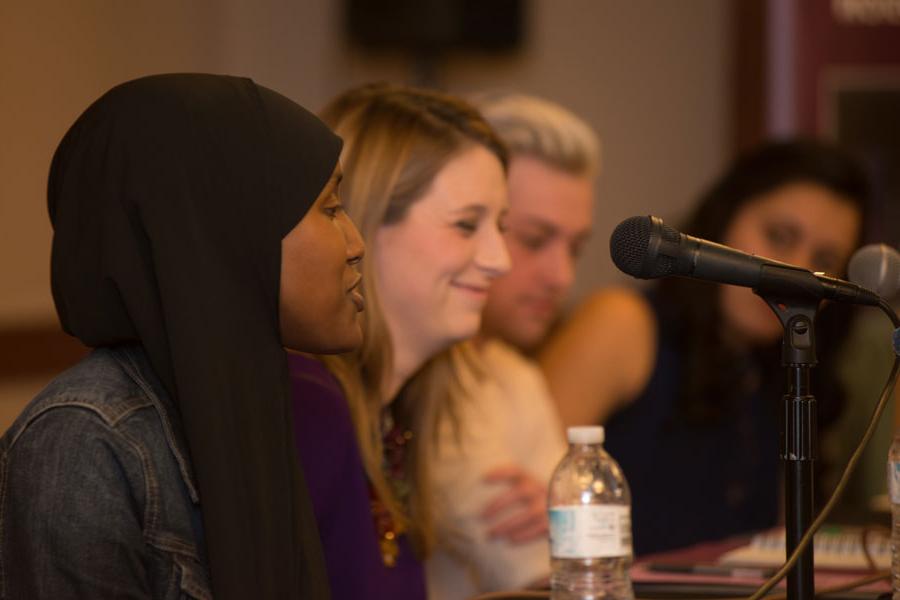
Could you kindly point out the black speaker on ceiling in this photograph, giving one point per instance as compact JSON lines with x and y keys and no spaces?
{"x":435,"y":25}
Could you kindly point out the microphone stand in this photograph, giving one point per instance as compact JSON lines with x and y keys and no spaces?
{"x":796,"y":304}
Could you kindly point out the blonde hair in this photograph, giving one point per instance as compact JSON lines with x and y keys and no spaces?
{"x":544,"y":130}
{"x":396,"y":140}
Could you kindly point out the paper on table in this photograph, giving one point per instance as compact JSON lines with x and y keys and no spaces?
{"x":837,"y":548}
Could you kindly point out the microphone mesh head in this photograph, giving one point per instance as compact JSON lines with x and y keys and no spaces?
{"x":876,"y":267}
{"x":629,"y":243}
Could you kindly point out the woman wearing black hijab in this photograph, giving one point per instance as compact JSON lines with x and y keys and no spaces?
{"x":197,"y":232}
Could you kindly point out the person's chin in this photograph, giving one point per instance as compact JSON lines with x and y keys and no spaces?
{"x":349,"y":336}
{"x":521,"y":332}
{"x":533,"y":327}
{"x":526,"y":339}
{"x":463,"y":328}
{"x":348,"y":343}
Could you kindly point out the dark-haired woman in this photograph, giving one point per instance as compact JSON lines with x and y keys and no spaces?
{"x":197,"y":233}
{"x":687,"y":378}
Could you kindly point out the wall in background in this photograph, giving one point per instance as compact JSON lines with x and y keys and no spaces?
{"x":652,"y":78}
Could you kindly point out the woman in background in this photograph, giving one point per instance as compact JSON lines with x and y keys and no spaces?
{"x":196,"y":233}
{"x":424,"y":178}
{"x":687,"y":378}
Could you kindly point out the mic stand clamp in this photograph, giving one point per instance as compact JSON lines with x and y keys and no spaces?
{"x":796,"y":309}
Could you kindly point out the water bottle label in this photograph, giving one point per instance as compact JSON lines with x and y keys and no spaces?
{"x":590,"y":531}
{"x":894,"y":481}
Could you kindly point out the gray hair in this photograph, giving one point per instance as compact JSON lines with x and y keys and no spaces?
{"x":544,"y":130}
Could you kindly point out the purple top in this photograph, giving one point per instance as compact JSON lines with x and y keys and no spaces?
{"x":337,"y":483}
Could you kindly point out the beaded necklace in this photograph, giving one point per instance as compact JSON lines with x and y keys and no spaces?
{"x":395,"y":440}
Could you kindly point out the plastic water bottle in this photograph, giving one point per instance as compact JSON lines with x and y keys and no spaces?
{"x":893,"y":477}
{"x":590,"y":523}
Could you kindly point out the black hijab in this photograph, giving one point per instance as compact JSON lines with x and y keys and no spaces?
{"x":169,"y":198}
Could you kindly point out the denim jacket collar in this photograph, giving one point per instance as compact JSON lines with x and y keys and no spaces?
{"x":135,"y":362}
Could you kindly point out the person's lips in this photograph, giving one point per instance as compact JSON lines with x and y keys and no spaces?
{"x":472,"y":288}
{"x":355,"y":296}
{"x":542,"y":307}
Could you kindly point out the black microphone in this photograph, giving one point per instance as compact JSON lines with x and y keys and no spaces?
{"x":647,"y":248}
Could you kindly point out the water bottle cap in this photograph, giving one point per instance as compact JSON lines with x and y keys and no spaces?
{"x":592,"y":434}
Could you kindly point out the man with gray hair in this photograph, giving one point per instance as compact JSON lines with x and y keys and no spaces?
{"x":491,"y":472}
{"x":555,"y":159}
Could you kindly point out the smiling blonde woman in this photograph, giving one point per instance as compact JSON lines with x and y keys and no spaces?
{"x":425,"y":180}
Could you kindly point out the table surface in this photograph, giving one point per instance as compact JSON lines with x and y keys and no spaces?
{"x":654,"y":584}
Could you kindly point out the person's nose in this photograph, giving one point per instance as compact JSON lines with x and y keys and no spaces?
{"x":492,"y":255}
{"x":356,"y":248}
{"x":558,"y":268}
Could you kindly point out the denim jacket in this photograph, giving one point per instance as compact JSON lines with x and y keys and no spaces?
{"x":97,"y":496}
